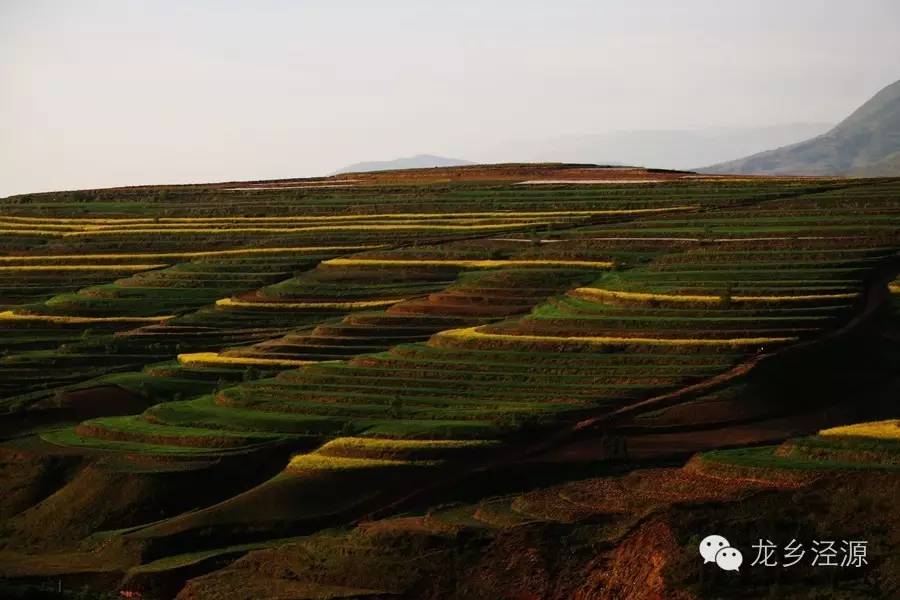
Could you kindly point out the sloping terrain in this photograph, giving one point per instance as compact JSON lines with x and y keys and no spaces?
{"x":419,"y":161}
{"x":867,"y":144}
{"x":340,"y":377}
{"x":665,"y":148}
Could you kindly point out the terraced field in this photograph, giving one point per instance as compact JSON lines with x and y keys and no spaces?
{"x":193,"y":373}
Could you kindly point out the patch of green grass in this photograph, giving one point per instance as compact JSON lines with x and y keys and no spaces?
{"x":68,"y":438}
{"x":764,"y":457}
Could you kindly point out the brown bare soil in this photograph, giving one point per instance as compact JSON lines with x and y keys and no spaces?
{"x":647,"y":558}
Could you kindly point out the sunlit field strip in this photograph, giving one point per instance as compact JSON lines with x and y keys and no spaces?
{"x":81,"y":267}
{"x":401,"y":444}
{"x":56,"y":226}
{"x":201,"y":254}
{"x":471,"y":264}
{"x":75,"y":222}
{"x":9,"y":315}
{"x":40,"y":232}
{"x":602,"y":294}
{"x":274,"y":230}
{"x":283,"y":230}
{"x":214,"y":358}
{"x":382,"y":222}
{"x":282,"y":305}
{"x":882,"y":430}
{"x":472,"y":333}
{"x":440,"y":215}
{"x":741,"y":240}
{"x":340,"y":463}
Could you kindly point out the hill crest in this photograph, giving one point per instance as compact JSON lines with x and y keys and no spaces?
{"x":419,"y":161}
{"x":865,"y":143}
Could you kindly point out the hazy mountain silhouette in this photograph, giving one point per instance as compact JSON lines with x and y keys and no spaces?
{"x":668,"y":149}
{"x":419,"y":161}
{"x":865,"y":143}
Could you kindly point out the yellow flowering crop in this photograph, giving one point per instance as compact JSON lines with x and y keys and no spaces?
{"x":473,"y":333}
{"x":9,"y":315}
{"x":99,"y":221}
{"x":199,"y":254}
{"x":5,"y":223}
{"x":214,"y":358}
{"x":400,"y":444}
{"x":466,"y":264}
{"x":317,"y":461}
{"x":284,"y":230}
{"x":81,"y":267}
{"x":75,"y":220}
{"x":882,"y":430}
{"x":435,"y":215}
{"x":602,"y":294}
{"x":42,"y":232}
{"x":297,"y":305}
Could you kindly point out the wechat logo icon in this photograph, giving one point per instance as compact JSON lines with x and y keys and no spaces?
{"x":716,"y":549}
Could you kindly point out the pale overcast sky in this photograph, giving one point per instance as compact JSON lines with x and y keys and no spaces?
{"x":111,"y":92}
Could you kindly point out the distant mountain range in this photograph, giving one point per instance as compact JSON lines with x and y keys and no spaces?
{"x":867,"y":143}
{"x":667,"y":149}
{"x":419,"y":161}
